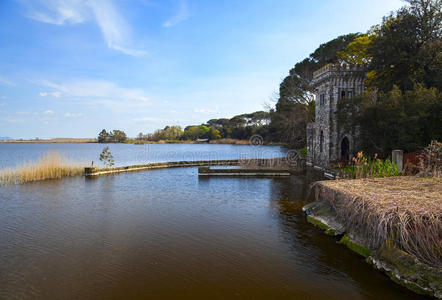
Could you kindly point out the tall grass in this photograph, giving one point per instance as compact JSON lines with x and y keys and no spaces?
{"x":405,"y":210}
{"x":49,"y":165}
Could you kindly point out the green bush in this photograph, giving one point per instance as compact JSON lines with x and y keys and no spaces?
{"x":303,"y":151}
{"x":364,"y":167}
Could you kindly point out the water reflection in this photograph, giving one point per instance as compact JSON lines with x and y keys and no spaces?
{"x":169,"y":234}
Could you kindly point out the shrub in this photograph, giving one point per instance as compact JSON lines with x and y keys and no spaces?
{"x":363,"y":167}
{"x":430,"y":161}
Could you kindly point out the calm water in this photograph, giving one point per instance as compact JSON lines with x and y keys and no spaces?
{"x":167,"y":234}
{"x":12,"y":154}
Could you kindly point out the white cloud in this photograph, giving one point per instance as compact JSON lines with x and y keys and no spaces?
{"x":95,"y":89}
{"x":73,"y":115}
{"x":182,"y":15}
{"x":3,"y":97}
{"x":205,"y":110}
{"x":145,"y":119}
{"x":53,"y":94}
{"x":49,"y":112}
{"x":115,"y":30}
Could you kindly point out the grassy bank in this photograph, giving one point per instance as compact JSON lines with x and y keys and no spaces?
{"x":404,"y":210}
{"x":50,"y":165}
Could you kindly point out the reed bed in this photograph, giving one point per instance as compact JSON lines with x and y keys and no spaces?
{"x":49,"y":166}
{"x":405,"y":210}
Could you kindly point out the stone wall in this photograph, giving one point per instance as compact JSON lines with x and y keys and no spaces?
{"x":324,"y":136}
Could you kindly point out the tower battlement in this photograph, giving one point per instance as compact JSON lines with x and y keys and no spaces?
{"x":327,"y":141}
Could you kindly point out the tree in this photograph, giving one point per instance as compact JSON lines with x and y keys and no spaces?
{"x":103,"y":136}
{"x":106,"y":157}
{"x":295,"y":107}
{"x":191,"y":132}
{"x":406,"y":120}
{"x":204,"y":132}
{"x":407,"y":48}
{"x":118,"y":136}
{"x":214,"y":134}
{"x":358,"y":51}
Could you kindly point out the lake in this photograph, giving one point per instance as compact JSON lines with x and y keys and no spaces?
{"x":12,"y":154}
{"x":168,"y":234}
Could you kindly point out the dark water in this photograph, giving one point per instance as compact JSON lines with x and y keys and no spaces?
{"x":12,"y":154}
{"x":167,"y":234}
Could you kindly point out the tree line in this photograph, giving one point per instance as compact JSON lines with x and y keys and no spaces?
{"x":402,"y":103}
{"x":239,"y":127}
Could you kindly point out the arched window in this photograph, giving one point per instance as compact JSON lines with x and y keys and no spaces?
{"x":321,"y":141}
{"x":345,"y":150}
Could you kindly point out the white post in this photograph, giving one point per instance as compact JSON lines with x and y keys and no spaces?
{"x":397,"y":156}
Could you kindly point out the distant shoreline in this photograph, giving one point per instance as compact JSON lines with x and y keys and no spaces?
{"x":135,"y":142}
{"x":79,"y":141}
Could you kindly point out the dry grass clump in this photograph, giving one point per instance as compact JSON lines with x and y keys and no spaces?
{"x":265,"y":163}
{"x":430,"y":164}
{"x":50,"y":165}
{"x":405,"y":210}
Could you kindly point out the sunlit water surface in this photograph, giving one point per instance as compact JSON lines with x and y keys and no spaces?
{"x":167,"y":234}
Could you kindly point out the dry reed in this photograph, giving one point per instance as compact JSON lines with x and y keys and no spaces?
{"x":259,"y":164}
{"x":430,"y":161}
{"x":405,"y":210}
{"x":50,"y":165}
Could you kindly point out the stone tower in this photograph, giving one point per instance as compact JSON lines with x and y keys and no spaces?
{"x":327,"y":141}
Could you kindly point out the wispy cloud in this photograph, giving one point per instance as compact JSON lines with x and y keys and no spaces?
{"x":53,"y":94}
{"x":144,"y":119}
{"x":73,"y":115}
{"x":5,"y":81}
{"x":93,"y":89}
{"x":115,"y":30}
{"x":49,"y":112}
{"x":205,"y":110}
{"x":180,"y":16}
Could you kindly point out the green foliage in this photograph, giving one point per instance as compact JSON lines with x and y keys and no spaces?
{"x":364,"y":167}
{"x":407,"y":120}
{"x":295,"y":107}
{"x":119,"y":136}
{"x":106,"y":157}
{"x":214,"y":134}
{"x":303,"y":151}
{"x":408,"y":48}
{"x":169,"y":133}
{"x":115,"y":136}
{"x":191,"y":133}
{"x":358,"y":51}
{"x":239,"y":127}
{"x":204,"y":132}
{"x":103,"y":136}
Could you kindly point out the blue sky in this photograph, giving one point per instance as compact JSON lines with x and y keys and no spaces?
{"x":69,"y":68}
